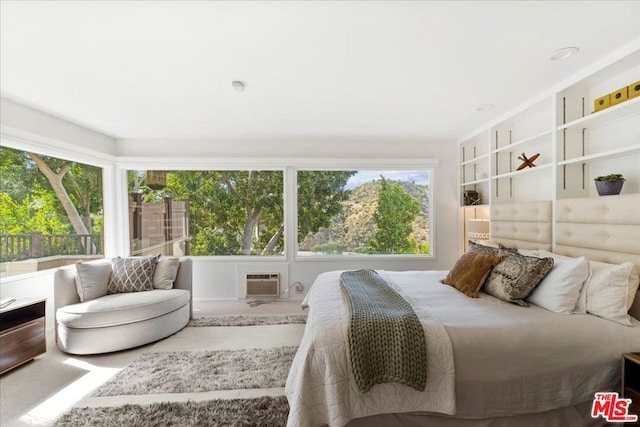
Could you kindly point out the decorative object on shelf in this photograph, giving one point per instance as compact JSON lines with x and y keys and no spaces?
{"x":602,"y":103}
{"x":634,"y":89}
{"x":609,"y":185}
{"x":617,"y":97}
{"x":527,"y":162}
{"x":471,"y":198}
{"x":156,"y":180}
{"x":478,"y":229}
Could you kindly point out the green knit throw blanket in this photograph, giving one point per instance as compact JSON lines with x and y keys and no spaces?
{"x":386,"y":339}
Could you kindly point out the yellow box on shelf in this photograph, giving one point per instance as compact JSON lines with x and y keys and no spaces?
{"x":619,"y":96}
{"x":601,"y":103}
{"x":634,"y":89}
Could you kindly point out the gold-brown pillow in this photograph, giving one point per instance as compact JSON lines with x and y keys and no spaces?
{"x":470,"y":272}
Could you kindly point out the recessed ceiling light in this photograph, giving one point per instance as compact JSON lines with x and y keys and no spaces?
{"x":564,"y":53}
{"x":485,"y":107}
{"x":238,"y":85}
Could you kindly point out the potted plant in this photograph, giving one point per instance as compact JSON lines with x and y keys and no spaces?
{"x":608,"y":185}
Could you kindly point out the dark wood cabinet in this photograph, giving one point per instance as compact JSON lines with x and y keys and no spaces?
{"x":631,"y":383}
{"x":22,"y":332}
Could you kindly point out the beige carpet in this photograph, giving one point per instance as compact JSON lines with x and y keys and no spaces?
{"x":202,"y":371}
{"x":39,"y":392}
{"x":235,"y":387}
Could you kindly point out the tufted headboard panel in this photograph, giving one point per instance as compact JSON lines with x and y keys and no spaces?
{"x":522,"y":225}
{"x":605,"y":229}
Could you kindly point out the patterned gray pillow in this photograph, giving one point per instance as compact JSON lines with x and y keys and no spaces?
{"x":487,"y":250}
{"x":133,"y":274}
{"x":514,"y":278}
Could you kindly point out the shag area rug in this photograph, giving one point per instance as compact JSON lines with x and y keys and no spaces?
{"x":201,"y":371}
{"x":262,"y":411}
{"x":249,"y":320}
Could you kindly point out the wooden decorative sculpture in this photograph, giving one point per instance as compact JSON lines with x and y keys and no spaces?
{"x":527,"y":162}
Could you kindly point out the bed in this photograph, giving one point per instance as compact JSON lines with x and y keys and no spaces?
{"x":489,"y":362}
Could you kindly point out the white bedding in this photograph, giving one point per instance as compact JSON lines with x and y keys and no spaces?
{"x":320,"y":387}
{"x":508,"y":359}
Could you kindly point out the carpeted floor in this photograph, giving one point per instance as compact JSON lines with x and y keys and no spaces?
{"x":200,"y":371}
{"x":281,"y":319}
{"x":198,"y":384}
{"x":263,"y":411}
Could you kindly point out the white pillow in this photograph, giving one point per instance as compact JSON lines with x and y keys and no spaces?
{"x":92,"y":280}
{"x":165,"y":273}
{"x":560,"y":289}
{"x":610,"y":290}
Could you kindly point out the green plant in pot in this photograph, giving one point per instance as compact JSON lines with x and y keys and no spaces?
{"x":608,"y":185}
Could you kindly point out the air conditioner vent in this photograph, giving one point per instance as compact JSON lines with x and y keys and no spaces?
{"x":263,"y":284}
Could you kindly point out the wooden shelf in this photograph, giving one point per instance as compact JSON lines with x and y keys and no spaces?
{"x":630,"y":382}
{"x":475,"y":160}
{"x":527,"y":171}
{"x":602,"y":155}
{"x":534,"y":138}
{"x":608,"y":115}
{"x":474,"y":206}
{"x":475,"y":182}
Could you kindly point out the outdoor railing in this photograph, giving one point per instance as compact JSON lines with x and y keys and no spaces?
{"x":18,"y":247}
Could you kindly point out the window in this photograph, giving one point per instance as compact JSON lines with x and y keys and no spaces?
{"x":51,"y":212}
{"x":363,"y":212}
{"x":224,"y":212}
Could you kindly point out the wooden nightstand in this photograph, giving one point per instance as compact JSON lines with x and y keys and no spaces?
{"x":22,"y":332}
{"x":631,"y":383}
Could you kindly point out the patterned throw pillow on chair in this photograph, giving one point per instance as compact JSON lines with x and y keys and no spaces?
{"x":133,"y":274}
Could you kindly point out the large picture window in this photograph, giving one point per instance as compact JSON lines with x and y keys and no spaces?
{"x":363,"y":212}
{"x":51,"y":212}
{"x":224,"y":212}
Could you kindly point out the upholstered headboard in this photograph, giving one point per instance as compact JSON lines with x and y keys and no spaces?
{"x":522,"y":225}
{"x":605,"y":229}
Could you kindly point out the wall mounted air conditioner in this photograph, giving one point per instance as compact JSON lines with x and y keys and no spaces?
{"x":263,"y":284}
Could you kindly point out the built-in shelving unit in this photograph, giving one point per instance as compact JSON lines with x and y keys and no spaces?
{"x":575,"y":144}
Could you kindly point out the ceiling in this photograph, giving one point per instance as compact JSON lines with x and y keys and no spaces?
{"x":359,"y":70}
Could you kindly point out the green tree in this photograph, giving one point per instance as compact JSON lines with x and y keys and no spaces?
{"x":321,"y":195}
{"x":70,"y":191}
{"x":242,"y":212}
{"x":232,"y":212}
{"x":394,"y":216}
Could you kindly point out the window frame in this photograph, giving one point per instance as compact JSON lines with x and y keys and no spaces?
{"x":289,"y":167}
{"x":109,"y":195}
{"x":408,"y":165}
{"x":116,"y":223}
{"x":230,"y":167}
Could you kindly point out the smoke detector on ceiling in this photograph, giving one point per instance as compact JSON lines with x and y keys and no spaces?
{"x":564,"y":53}
{"x":238,"y":85}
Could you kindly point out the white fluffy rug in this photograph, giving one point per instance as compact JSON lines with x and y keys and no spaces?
{"x":201,"y":371}
{"x":201,"y":376}
{"x":279,"y":319}
{"x":263,"y":411}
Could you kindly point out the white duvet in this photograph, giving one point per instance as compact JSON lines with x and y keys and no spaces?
{"x":508,"y":360}
{"x":320,"y":387}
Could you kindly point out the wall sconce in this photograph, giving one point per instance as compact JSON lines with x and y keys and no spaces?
{"x":478,"y":229}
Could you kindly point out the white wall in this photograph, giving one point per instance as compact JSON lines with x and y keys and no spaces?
{"x":213,"y":277}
